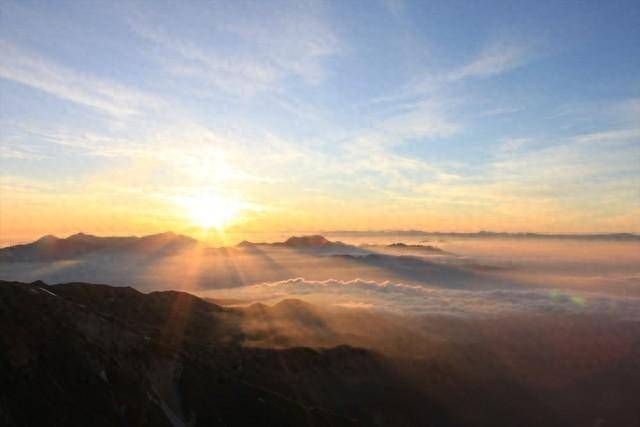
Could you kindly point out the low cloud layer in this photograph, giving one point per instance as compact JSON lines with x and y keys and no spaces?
{"x":410,"y":299}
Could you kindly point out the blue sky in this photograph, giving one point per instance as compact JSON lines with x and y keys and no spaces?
{"x":351,"y":114}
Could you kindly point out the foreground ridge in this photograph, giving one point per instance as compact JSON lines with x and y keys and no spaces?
{"x":78,"y":353}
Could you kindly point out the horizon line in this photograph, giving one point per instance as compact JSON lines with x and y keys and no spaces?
{"x":388,"y":232}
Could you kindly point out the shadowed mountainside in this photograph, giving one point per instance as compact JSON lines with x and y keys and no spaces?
{"x":512,"y":369}
{"x":51,"y":248}
{"x":77,"y":354}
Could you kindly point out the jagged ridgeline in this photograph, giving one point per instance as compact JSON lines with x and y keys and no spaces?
{"x":79,"y":354}
{"x":76,"y":353}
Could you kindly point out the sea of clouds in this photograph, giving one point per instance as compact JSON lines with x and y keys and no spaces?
{"x":414,"y":299}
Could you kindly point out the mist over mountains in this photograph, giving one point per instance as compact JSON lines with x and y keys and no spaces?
{"x":170,"y":261}
{"x":399,"y":276}
{"x":452,"y":331}
{"x":74,"y":352}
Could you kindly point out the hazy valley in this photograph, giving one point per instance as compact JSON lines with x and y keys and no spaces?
{"x":466,"y":330}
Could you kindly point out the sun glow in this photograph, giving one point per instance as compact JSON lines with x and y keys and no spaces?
{"x":210,"y":210}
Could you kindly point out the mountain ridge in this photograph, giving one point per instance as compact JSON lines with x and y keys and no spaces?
{"x":52,"y":248}
{"x":485,"y":234}
{"x":77,"y":353}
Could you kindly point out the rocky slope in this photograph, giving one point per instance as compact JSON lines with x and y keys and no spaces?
{"x":77,"y":354}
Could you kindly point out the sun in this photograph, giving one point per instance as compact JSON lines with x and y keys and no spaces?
{"x":210,"y":210}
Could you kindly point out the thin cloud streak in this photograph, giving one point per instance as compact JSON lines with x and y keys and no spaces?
{"x":31,"y":69}
{"x":268,"y":59}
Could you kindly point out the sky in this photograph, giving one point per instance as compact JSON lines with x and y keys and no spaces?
{"x":139,"y":117}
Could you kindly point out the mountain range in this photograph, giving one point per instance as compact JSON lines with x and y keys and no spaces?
{"x":77,"y":354}
{"x":485,"y":235}
{"x":51,"y":248}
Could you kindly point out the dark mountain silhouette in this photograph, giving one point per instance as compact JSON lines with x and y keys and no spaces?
{"x":77,"y":354}
{"x":51,"y":248}
{"x":486,"y":234}
{"x":171,"y":261}
{"x":245,"y":243}
{"x":309,"y":241}
{"x":515,"y":369}
{"x":310,"y":245}
{"x":315,"y":240}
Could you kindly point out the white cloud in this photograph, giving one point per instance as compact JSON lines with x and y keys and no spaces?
{"x":182,"y":58}
{"x":609,"y":137}
{"x":410,"y":299}
{"x":298,"y":41}
{"x":495,"y":59}
{"x":425,"y":120}
{"x":575,"y":158}
{"x":256,"y":57}
{"x":509,"y":145}
{"x":422,"y":111}
{"x":18,"y":152}
{"x":498,"y":57}
{"x":23,"y":66}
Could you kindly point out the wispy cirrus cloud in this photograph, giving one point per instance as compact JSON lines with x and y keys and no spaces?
{"x":587,"y":178}
{"x":303,"y":40}
{"x":496,"y":58}
{"x":184,"y":59}
{"x":424,"y":120}
{"x":575,"y":157}
{"x":21,"y":65}
{"x":254,"y":58}
{"x":426,"y":109}
{"x":18,"y":152}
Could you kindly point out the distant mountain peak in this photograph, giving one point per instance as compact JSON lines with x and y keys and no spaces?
{"x":80,"y":236}
{"x":47,"y":238}
{"x":169,"y":236}
{"x":166,"y":234}
{"x":51,"y":248}
{"x":313,"y":240}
